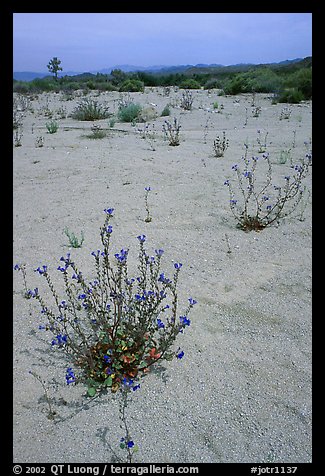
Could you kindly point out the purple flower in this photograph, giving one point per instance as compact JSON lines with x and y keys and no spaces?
{"x":142,"y":238}
{"x":185,"y":320}
{"x":192,"y":301}
{"x":70,"y":376}
{"x":109,"y":211}
{"x":147,"y":189}
{"x":159,"y":252}
{"x":130,"y":444}
{"x":41,"y":270}
{"x":162,"y":278}
{"x":178,"y":265}
{"x":122,"y":256}
{"x":59,"y":340}
{"x":180,"y":354}
{"x":160,"y":324}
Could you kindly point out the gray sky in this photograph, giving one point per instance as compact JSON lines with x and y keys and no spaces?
{"x":92,"y":41}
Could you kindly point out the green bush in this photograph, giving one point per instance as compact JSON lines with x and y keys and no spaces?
{"x":89,"y":110}
{"x":132,"y":85}
{"x":302,"y":81}
{"x":213,"y":83}
{"x":236,"y":85}
{"x":165,"y":111}
{"x":290,"y":95}
{"x":129,"y":113}
{"x":189,"y":84}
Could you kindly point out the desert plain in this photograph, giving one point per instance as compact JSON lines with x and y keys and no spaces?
{"x":242,"y":391}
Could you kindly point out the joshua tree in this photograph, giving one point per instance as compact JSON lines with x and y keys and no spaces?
{"x":54,"y":66}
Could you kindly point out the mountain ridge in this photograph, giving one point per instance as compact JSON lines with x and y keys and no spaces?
{"x":162,"y":69}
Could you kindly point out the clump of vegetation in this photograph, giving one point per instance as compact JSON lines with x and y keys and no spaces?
{"x":132,"y":85}
{"x":260,"y":202}
{"x":129,"y":112}
{"x":148,"y":218}
{"x":186,"y":101}
{"x":262,"y":143}
{"x":165,"y":111}
{"x":220,"y":145}
{"x":114,"y":328}
{"x":74,"y":241}
{"x":190,"y":84}
{"x":285,"y":113}
{"x":90,"y":110}
{"x":96,"y":132}
{"x":171,"y":131}
{"x":52,"y":126}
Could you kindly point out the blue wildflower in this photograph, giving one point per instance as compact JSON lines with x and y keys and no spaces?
{"x":142,"y":238}
{"x":185,"y":320}
{"x":109,"y":211}
{"x":192,"y":301}
{"x":180,"y":354}
{"x":178,"y":265}
{"x":160,"y":324}
{"x":59,"y":340}
{"x":41,"y":270}
{"x":70,"y":376}
{"x":159,"y":252}
{"x":162,"y":278}
{"x":122,"y":256}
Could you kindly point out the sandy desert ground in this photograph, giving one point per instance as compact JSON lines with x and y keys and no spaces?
{"x":242,"y":392}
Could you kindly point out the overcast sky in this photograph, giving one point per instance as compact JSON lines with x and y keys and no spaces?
{"x":92,"y":41}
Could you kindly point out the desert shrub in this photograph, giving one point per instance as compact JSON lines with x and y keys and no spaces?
{"x":21,"y":87}
{"x":96,"y":132}
{"x":74,"y":241}
{"x":290,"y":95}
{"x":213,"y":83}
{"x":190,"y":84}
{"x":235,"y":85}
{"x":186,"y":101}
{"x":113,"y":329}
{"x":52,"y":126}
{"x":116,"y":326}
{"x":129,"y":113}
{"x":220,"y":145}
{"x":165,"y":111}
{"x":302,"y":81}
{"x":89,"y":110}
{"x":132,"y":85}
{"x":258,"y":202}
{"x":91,"y":84}
{"x":171,"y":131}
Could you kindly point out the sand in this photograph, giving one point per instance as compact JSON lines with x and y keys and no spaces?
{"x":242,"y":392}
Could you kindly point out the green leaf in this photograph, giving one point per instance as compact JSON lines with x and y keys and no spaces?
{"x":108,"y":382}
{"x":135,"y":449}
{"x":91,"y":391}
{"x":122,"y":445}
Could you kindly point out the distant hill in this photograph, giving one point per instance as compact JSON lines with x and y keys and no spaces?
{"x":160,"y":69}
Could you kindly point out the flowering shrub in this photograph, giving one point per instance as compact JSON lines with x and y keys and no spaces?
{"x":171,"y":131}
{"x":220,"y":145}
{"x":115,"y":327}
{"x":265,"y":203}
